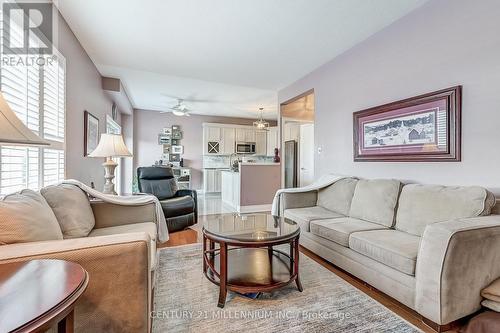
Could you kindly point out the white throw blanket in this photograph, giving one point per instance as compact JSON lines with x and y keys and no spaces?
{"x":323,"y":181}
{"x":131,"y":200}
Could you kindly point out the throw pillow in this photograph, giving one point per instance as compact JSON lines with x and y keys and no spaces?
{"x":72,"y":209}
{"x":26,"y":217}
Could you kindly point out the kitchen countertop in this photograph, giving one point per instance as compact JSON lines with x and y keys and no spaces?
{"x":258,"y":163}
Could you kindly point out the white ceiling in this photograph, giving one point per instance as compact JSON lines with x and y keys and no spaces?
{"x":237,"y":53}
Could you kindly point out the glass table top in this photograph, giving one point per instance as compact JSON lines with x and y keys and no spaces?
{"x":249,"y":227}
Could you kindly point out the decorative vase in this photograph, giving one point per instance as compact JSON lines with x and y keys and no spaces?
{"x":276,"y":155}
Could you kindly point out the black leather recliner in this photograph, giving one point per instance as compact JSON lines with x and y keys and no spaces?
{"x":179,"y":206}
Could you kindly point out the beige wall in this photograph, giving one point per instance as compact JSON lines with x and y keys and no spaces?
{"x":83,"y":92}
{"x":147,"y":125}
{"x":420,"y":53}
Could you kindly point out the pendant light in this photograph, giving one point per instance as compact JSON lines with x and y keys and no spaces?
{"x":261,"y":124}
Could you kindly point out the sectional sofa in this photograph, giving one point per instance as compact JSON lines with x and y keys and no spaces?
{"x":432,"y":248}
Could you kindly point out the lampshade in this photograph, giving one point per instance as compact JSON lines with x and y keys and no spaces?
{"x":111,"y":145}
{"x":13,"y":131}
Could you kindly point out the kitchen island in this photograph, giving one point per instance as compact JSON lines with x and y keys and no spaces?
{"x":252,"y":187}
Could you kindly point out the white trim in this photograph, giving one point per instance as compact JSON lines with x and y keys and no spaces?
{"x":254,"y":208}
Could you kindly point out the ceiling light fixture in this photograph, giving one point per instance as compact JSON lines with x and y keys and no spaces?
{"x":261,"y":124}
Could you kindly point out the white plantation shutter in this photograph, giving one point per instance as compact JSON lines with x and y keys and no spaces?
{"x":37,"y":95}
{"x":18,"y":168}
{"x":53,"y":166}
{"x":53,"y":101}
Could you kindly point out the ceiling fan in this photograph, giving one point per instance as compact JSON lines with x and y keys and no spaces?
{"x":180,"y":109}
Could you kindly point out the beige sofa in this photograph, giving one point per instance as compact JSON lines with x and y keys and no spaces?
{"x":119,"y":253}
{"x":433,"y":248}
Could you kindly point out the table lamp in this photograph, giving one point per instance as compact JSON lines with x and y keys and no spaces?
{"x":110,"y":145}
{"x":13,"y":131}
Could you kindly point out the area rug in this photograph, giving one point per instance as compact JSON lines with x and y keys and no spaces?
{"x":185,"y":301}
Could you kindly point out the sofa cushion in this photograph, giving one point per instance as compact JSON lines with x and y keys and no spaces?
{"x":375,"y":200}
{"x":147,"y":227}
{"x":303,"y":216}
{"x":421,"y":205}
{"x":393,"y":248}
{"x":338,"y":230}
{"x":72,"y":209}
{"x":26,"y":217}
{"x":338,"y":196}
{"x":178,"y":206}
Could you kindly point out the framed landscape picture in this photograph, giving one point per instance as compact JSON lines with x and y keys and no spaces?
{"x":90,"y":133}
{"x":422,"y":128}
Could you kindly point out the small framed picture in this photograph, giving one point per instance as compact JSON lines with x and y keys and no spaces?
{"x":90,"y":132}
{"x":177,"y":149}
{"x":176,"y":134}
{"x":167,"y":149}
{"x":164,"y":139}
{"x":175,"y":142}
{"x":176,"y":128}
{"x":167,"y":131}
{"x":174,"y":157}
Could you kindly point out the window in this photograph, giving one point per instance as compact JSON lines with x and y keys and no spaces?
{"x":112,"y":127}
{"x":36,"y":93}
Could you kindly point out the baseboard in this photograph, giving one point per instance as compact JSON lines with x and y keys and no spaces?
{"x":254,"y":208}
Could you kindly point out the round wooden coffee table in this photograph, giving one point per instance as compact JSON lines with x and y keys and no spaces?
{"x":239,"y":253}
{"x":38,"y":294}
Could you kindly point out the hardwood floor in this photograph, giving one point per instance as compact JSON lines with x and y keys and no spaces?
{"x":193,"y":235}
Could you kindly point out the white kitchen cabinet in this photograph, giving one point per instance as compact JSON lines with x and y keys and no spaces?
{"x":240,"y":135}
{"x":228,"y":140}
{"x":260,"y":143}
{"x":245,"y":135}
{"x":218,"y":181}
{"x":212,"y":180}
{"x":212,"y":140}
{"x":213,"y":133}
{"x":272,"y":140}
{"x":250,"y":135}
{"x":230,"y":188}
{"x":291,"y":131}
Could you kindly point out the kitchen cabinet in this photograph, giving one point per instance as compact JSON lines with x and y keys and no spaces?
{"x":272,"y":141}
{"x":212,"y":140}
{"x":213,"y":133}
{"x":230,"y":188}
{"x":291,"y":131}
{"x":245,"y":135}
{"x":212,"y":180}
{"x":260,"y":143}
{"x":228,"y":140}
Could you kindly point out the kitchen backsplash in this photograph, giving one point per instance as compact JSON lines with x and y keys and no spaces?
{"x":215,"y":161}
{"x":222,"y":161}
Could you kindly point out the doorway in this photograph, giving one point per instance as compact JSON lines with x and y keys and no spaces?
{"x":297,"y":140}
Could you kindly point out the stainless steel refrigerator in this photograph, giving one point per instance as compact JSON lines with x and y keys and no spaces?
{"x":291,"y":163}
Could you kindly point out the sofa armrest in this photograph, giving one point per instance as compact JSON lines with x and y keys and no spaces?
{"x":456,"y":260}
{"x":118,"y":295}
{"x":298,"y":200}
{"x":109,"y":215}
{"x":194,"y":195}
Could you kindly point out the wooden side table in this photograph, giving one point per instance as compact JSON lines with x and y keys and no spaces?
{"x":37,"y":294}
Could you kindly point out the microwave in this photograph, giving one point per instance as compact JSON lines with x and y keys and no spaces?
{"x":245,"y":147}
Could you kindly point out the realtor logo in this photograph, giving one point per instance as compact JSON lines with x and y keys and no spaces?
{"x":27,"y":28}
